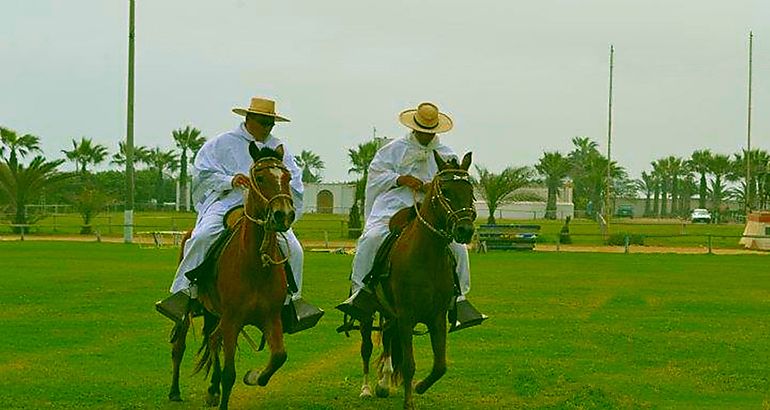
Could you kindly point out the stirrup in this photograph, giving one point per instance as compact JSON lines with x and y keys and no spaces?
{"x":464,"y":315}
{"x":174,"y":307}
{"x":298,"y":315}
{"x":360,"y":306}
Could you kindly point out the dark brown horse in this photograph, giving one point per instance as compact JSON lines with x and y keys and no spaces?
{"x":249,"y":287}
{"x":420,"y":287}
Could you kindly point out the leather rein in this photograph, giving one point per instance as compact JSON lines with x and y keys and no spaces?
{"x":261,"y":165}
{"x":453,"y":216}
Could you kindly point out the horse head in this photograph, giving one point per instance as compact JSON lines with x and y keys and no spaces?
{"x":269,"y":198}
{"x":453,"y":192}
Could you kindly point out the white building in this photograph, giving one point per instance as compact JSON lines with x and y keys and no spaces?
{"x":329,"y":198}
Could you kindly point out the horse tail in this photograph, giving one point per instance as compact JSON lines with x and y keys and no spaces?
{"x":210,"y":346}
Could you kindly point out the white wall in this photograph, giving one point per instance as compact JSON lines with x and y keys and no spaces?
{"x":344,"y":196}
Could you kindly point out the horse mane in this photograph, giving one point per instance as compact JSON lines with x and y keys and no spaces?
{"x":266,"y":152}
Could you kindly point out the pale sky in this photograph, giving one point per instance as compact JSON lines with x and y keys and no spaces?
{"x":518,"y":77}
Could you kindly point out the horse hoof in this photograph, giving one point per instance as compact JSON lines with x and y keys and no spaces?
{"x":212,"y":400}
{"x":382,"y":392}
{"x":420,"y":388}
{"x":175,"y":397}
{"x":366,"y":392}
{"x":251,"y":378}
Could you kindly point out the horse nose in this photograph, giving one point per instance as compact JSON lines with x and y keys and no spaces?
{"x":464,"y":233}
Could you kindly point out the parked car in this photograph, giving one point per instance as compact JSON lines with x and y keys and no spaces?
{"x":700,"y":215}
{"x":625,"y":211}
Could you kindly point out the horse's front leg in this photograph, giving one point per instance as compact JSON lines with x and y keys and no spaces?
{"x":229,"y":338}
{"x":273,"y":332}
{"x":438,"y":343}
{"x":405,"y":328}
{"x":366,"y":355}
{"x":178,"y":346}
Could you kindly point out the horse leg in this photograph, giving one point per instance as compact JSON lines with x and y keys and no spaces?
{"x":438,"y":343}
{"x":229,"y":338}
{"x":178,"y":346}
{"x":407,"y":364}
{"x":274,"y":335}
{"x":366,"y":354}
{"x":213,"y":393}
{"x":385,"y":371}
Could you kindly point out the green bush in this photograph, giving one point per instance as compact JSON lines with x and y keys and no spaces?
{"x":619,"y":239}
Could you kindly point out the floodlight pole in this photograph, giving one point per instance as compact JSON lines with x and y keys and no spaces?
{"x":128,"y":213}
{"x":607,"y":211}
{"x":749,"y":184}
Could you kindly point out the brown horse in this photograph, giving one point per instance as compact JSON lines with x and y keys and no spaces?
{"x":420,"y":287}
{"x":249,"y":287}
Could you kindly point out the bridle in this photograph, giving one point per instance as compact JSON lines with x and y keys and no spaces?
{"x":453,"y":216}
{"x":258,"y":166}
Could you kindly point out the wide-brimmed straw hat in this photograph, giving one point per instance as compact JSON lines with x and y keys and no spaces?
{"x":426,"y":118}
{"x":261,"y":106}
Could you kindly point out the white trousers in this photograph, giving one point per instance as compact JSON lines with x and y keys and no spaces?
{"x":375,"y":235}
{"x":208,"y":228}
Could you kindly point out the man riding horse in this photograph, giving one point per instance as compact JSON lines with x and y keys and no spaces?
{"x":219,"y":174}
{"x":396,"y":178}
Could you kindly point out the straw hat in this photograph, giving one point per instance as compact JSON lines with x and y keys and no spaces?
{"x":426,"y":118}
{"x":261,"y":106}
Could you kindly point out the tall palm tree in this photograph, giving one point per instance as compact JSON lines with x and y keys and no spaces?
{"x":584,"y":150}
{"x":496,"y":189}
{"x":187,"y":139}
{"x":699,"y":162}
{"x":675,"y":169}
{"x":16,"y":146}
{"x":161,"y":161}
{"x":141,"y":153}
{"x":84,"y":153}
{"x":720,"y":170}
{"x":22,"y":185}
{"x":311,"y":165}
{"x":554,"y":167}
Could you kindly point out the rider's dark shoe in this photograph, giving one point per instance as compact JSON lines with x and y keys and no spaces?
{"x":464,"y":315}
{"x":298,"y":315}
{"x":174,"y":307}
{"x":361,"y":305}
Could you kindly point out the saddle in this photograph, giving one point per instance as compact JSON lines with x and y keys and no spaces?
{"x":381,"y":269}
{"x":205,"y":273}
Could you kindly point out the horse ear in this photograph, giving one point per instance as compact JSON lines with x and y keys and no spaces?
{"x":467,"y":158}
{"x":253,"y":151}
{"x":439,"y":161}
{"x":279,"y":150}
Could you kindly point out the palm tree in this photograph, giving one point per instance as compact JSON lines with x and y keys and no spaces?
{"x":675,"y":169}
{"x":311,"y":165}
{"x":187,"y":139}
{"x":647,"y":184}
{"x":160,"y":161}
{"x":700,"y":161}
{"x":22,"y":185}
{"x":85,"y":153}
{"x":580,"y":156}
{"x":719,"y":169}
{"x":554,"y":167}
{"x":360,"y":158}
{"x":17,"y":146}
{"x":141,"y":154}
{"x":496,"y":189}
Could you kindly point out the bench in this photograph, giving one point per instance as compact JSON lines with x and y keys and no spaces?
{"x":506,"y":237}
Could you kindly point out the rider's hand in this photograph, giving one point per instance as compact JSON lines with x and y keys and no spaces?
{"x":410,"y":181}
{"x":240,"y":180}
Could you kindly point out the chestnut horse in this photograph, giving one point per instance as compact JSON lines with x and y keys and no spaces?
{"x":249,"y":287}
{"x":420,"y":287}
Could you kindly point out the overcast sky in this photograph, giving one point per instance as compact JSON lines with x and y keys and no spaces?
{"x":518,"y":77}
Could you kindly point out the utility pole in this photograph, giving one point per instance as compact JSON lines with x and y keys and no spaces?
{"x":128,"y":213}
{"x":749,"y":184}
{"x":608,"y":193}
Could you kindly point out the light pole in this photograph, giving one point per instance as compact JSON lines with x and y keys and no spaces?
{"x":128,"y":213}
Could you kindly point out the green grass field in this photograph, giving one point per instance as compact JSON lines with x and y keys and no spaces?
{"x":567,"y":331}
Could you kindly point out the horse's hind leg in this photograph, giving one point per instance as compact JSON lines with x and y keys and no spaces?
{"x":366,"y":354}
{"x":385,"y":362}
{"x":407,"y":365}
{"x":273,"y":332}
{"x":178,"y":346}
{"x":213,"y":392}
{"x":438,"y":343}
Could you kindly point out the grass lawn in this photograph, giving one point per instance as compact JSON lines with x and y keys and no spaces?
{"x":567,"y":331}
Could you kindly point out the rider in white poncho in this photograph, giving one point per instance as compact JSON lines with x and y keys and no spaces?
{"x":399,"y":169}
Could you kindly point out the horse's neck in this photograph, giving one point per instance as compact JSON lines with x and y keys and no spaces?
{"x":424,"y":236}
